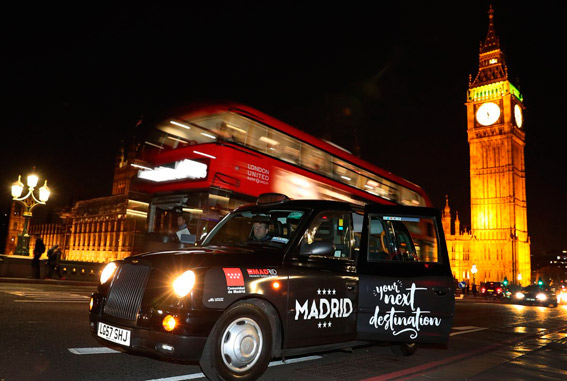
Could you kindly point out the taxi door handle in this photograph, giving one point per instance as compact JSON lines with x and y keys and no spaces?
{"x":351,"y":287}
{"x":440,"y":291}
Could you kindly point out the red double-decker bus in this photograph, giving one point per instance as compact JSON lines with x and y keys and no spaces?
{"x":203,"y":163}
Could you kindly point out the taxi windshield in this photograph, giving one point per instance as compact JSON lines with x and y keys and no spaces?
{"x":254,"y":227}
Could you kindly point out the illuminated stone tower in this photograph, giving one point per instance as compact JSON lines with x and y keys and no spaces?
{"x":500,"y":244}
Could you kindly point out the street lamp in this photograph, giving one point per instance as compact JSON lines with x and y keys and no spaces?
{"x":473,"y":271}
{"x":29,"y":201}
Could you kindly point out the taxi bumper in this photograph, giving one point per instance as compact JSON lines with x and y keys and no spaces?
{"x":161,"y":344}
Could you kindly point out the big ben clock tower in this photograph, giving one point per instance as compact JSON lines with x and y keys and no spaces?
{"x":500,"y":246}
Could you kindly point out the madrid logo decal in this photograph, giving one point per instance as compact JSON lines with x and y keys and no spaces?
{"x":323,"y":309}
{"x":234,"y":281}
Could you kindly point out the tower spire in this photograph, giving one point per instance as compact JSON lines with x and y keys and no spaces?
{"x":492,"y":41}
{"x":446,"y":217}
{"x":491,"y":61}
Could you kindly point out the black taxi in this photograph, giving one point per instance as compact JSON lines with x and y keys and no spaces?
{"x":280,"y":279}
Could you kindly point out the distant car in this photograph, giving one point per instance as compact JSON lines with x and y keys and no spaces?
{"x":534,"y":295}
{"x":562,"y":296}
{"x":492,"y":289}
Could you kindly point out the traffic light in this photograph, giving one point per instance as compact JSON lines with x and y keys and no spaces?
{"x":505,"y":282}
{"x":540,"y":283}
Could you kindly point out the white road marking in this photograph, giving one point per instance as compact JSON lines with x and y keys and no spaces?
{"x":181,"y":378}
{"x":291,"y":361}
{"x":48,"y":297}
{"x":466,"y":329}
{"x":273,"y":363}
{"x":92,"y":351}
{"x":50,"y":301}
{"x":102,"y":350}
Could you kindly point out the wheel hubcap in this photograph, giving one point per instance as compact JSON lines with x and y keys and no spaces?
{"x":241,"y":344}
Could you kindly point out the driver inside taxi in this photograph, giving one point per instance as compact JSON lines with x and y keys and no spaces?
{"x":260,"y":231}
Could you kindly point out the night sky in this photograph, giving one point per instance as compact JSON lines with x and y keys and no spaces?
{"x":388,"y":81}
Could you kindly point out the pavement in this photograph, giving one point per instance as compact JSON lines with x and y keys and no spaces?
{"x":65,"y":282}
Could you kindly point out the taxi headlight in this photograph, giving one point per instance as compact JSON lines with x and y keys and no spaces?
{"x":107,"y":272}
{"x":541,"y":297}
{"x":519,"y":295}
{"x":184,"y":283}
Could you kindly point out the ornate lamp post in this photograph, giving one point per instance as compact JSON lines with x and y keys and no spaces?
{"x":29,"y":201}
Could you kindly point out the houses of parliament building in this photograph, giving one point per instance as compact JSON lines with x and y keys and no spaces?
{"x":497,"y":244}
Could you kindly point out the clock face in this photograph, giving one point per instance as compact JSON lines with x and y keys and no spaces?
{"x":518,"y":116}
{"x":488,"y":114}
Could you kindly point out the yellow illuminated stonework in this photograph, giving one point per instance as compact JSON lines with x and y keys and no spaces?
{"x":493,"y":91}
{"x":498,"y":243}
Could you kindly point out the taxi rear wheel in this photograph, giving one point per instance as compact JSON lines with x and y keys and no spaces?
{"x":239,"y":346}
{"x":403,"y":349}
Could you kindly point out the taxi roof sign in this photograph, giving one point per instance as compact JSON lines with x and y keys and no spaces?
{"x":271,"y":198}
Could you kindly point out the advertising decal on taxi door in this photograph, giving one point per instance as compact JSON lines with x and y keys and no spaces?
{"x":398,"y":310}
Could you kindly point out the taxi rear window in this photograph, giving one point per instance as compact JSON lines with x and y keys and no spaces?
{"x":402,"y":238}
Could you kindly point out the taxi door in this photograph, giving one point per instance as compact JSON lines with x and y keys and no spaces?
{"x":322,"y":299}
{"x":406,"y":286}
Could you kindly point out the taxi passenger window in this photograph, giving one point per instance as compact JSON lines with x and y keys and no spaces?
{"x":402,"y":238}
{"x":331,"y":232}
{"x":357,"y":224}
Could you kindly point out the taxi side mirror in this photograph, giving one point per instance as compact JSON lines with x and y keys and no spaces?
{"x":318,"y":248}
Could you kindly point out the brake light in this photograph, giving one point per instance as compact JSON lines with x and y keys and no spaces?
{"x":483,"y":290}
{"x":498,"y":290}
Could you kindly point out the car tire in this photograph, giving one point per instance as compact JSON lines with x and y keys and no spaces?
{"x":403,"y":349}
{"x":239,"y":346}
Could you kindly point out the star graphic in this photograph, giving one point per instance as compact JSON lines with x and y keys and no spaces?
{"x":324,"y":292}
{"x":324,"y":325}
{"x":319,"y":325}
{"x":334,"y":291}
{"x":329,"y":291}
{"x":329,"y":324}
{"x":318,"y":291}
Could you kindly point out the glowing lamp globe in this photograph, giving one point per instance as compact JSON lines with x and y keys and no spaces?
{"x":44,"y":192}
{"x":32,"y":180}
{"x":17,"y":188}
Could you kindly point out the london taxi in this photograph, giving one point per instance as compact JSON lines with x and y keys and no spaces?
{"x":492,"y":289}
{"x":329,"y":275}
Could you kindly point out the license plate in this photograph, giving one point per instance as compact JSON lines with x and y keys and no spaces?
{"x":114,"y":334}
{"x":530,"y":299}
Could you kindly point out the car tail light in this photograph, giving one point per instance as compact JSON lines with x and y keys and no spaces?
{"x":483,"y":290}
{"x":499,"y":290}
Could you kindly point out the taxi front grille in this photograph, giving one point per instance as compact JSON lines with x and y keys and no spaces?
{"x":125,"y":296}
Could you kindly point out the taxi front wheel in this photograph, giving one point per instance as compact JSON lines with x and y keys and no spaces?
{"x":239,"y":347}
{"x":403,"y":349}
